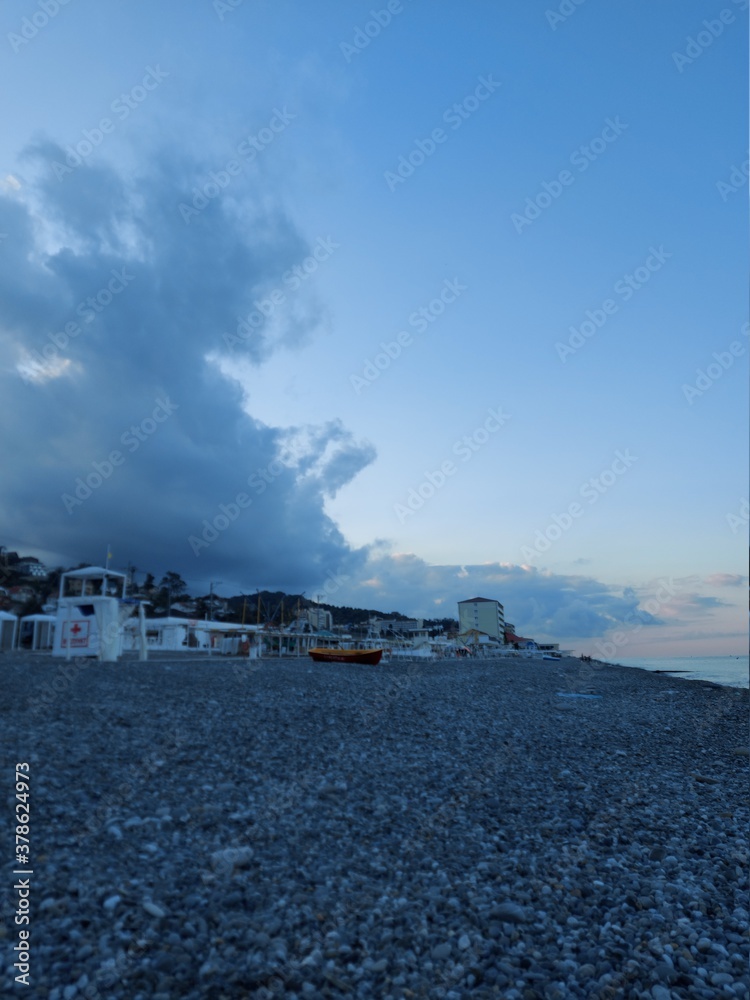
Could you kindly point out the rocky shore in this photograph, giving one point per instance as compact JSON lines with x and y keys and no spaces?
{"x":520,"y":829}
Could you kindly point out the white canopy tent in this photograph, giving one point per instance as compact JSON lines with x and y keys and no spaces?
{"x":8,"y":630}
{"x":37,"y":632}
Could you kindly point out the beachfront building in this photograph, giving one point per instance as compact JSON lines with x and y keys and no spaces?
{"x":479,"y":643}
{"x":483,"y":615}
{"x":407,"y":628}
{"x":320,"y":619}
{"x":519,"y":641}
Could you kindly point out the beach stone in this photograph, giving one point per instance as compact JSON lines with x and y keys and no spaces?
{"x":661,"y":993}
{"x":231,"y":857}
{"x":509,"y":913}
{"x":667,"y":973}
{"x":470,"y":840}
{"x":721,"y":979}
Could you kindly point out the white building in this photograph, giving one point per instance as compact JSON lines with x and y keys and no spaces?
{"x":484,"y":615}
{"x":320,"y":619}
{"x":194,"y":635}
{"x":32,"y":567}
{"x":406,"y":627}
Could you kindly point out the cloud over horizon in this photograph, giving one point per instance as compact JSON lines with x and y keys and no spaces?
{"x":540,"y":603}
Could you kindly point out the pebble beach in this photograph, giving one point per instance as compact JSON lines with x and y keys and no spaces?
{"x":517,"y":828}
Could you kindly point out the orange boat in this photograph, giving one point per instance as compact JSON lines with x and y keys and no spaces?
{"x":323,"y":654}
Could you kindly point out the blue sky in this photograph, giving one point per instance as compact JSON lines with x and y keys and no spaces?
{"x":514,"y":174}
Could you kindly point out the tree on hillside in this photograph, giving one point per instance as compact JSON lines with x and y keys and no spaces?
{"x":174,"y":583}
{"x":171,"y":586}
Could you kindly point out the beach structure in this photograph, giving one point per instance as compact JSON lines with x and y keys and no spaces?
{"x":37,"y":632}
{"x":91,"y":611}
{"x":8,"y":631}
{"x":406,"y":638}
{"x":480,"y":643}
{"x":521,"y":642}
{"x":195,"y":635}
{"x":484,"y":615}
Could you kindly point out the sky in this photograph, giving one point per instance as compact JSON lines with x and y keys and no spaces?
{"x":394,"y":305}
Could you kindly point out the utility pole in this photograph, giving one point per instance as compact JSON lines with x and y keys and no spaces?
{"x":211,"y":613}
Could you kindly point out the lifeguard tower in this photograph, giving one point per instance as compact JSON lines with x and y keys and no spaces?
{"x":91,"y":611}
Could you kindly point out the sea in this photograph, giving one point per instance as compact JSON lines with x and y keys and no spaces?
{"x":733,"y":671}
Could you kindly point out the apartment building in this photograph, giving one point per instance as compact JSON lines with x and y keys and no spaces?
{"x":483,"y":614}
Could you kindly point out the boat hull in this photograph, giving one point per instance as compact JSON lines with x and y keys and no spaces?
{"x":368,"y":656}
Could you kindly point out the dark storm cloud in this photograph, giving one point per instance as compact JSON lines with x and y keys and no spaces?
{"x":117,"y":426}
